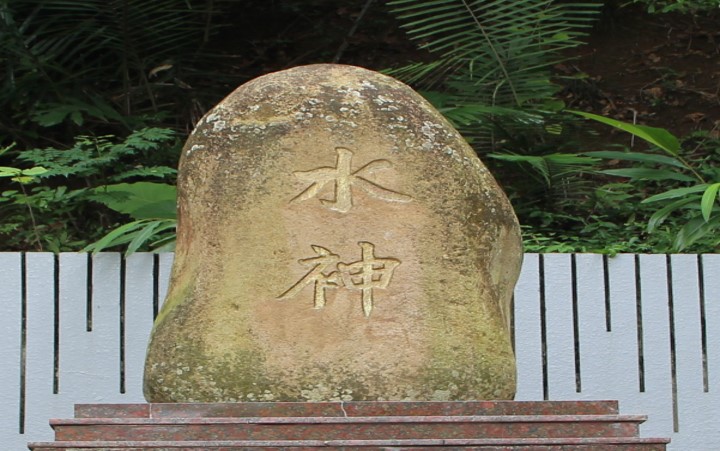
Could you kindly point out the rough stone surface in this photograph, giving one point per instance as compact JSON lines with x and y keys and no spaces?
{"x":337,"y":240}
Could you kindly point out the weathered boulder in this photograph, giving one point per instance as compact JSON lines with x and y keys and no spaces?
{"x":337,"y":240}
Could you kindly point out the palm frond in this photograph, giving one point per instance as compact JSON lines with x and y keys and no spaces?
{"x":492,"y":52}
{"x":73,"y":51}
{"x":491,"y":75}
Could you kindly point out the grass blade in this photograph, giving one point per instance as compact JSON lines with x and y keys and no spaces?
{"x":708,"y":200}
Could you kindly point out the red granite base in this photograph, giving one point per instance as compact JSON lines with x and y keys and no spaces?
{"x":483,"y":425}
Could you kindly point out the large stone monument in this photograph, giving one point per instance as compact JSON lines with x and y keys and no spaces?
{"x":337,"y":240}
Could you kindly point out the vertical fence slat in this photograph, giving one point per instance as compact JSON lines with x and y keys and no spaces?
{"x":711,"y":404}
{"x":138,"y":321}
{"x":657,"y":399}
{"x":10,"y":328}
{"x":595,"y":352}
{"x":559,"y":320}
{"x":106,"y":323}
{"x":82,"y":377}
{"x":166,"y":261}
{"x":528,"y":345}
{"x":40,"y":401}
{"x":711,"y":266}
{"x":89,"y":361}
{"x":688,"y":349}
{"x":77,"y":375}
{"x":622,"y":368}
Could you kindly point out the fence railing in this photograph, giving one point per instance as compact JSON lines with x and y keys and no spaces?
{"x":642,"y":329}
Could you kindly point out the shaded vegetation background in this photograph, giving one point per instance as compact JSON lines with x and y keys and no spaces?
{"x":103,"y":93}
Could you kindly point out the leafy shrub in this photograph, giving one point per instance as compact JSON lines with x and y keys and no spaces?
{"x":153,"y":208}
{"x":491,"y":76}
{"x":107,"y":65}
{"x":56,"y":208}
{"x":679,"y":182}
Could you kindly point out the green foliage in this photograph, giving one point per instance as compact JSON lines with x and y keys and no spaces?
{"x":491,"y":74}
{"x":151,"y":205}
{"x":114,"y":66}
{"x":552,"y":168}
{"x":657,"y":136}
{"x":22,"y":175}
{"x":688,"y":186}
{"x":682,"y":6}
{"x":141,"y":200}
{"x":611,"y":220}
{"x":108,"y":64}
{"x":496,"y":53}
{"x":491,"y":78}
{"x":158,"y":233}
{"x":99,"y":156}
{"x":55,"y":205}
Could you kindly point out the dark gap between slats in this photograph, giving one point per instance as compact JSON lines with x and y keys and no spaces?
{"x":703,"y":323}
{"x":156,"y":285}
{"x":673,"y":362}
{"x":56,"y":324}
{"x":23,"y":340}
{"x":123,"y":271}
{"x":543,"y":328}
{"x":512,"y":322}
{"x":606,"y":281}
{"x":576,"y":326}
{"x":639,"y":326}
{"x":89,"y":294}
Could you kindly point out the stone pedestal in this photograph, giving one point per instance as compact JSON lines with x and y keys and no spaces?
{"x":481,"y":425}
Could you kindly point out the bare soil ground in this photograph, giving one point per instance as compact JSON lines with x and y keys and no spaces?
{"x":660,"y":70}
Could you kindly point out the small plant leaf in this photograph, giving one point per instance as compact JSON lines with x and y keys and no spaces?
{"x":141,"y":200}
{"x":76,"y":117}
{"x":539,"y":163}
{"x":636,"y":156}
{"x":9,"y":172}
{"x":50,"y":117}
{"x":657,"y":136}
{"x":708,"y":200}
{"x":37,"y":170}
{"x":164,"y":209}
{"x":660,"y":215}
{"x":152,"y":171}
{"x":142,"y":237}
{"x":165,"y":245}
{"x":675,"y":193}
{"x":110,"y":239}
{"x":695,"y":229}
{"x":648,"y":174}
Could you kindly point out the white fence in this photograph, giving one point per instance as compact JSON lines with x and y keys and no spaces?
{"x":643,"y":329}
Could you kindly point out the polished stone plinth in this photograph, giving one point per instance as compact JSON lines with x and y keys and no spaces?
{"x":483,"y":425}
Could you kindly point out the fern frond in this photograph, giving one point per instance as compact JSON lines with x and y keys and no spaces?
{"x":495,"y":52}
{"x":492,"y":62}
{"x":62,"y":50}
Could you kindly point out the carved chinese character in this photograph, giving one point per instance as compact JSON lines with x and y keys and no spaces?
{"x":343,"y":178}
{"x":324,"y":260}
{"x":365,"y":275}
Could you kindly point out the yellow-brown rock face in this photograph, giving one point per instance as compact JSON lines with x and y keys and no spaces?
{"x":338,"y":240}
